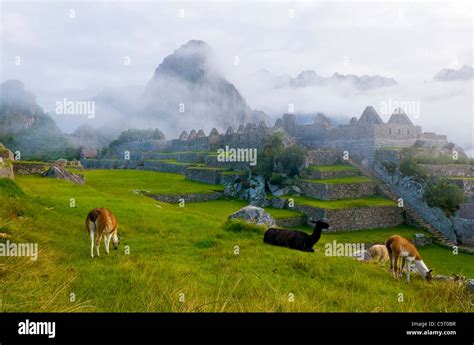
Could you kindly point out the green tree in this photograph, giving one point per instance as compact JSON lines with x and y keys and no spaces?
{"x":290,"y":160}
{"x":281,"y":159}
{"x":445,"y":195}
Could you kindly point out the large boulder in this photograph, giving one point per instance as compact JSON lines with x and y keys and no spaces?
{"x":62,"y":163}
{"x":284,"y":190}
{"x":470,"y":285}
{"x":254,"y":214}
{"x":6,"y":168}
{"x":57,"y":172}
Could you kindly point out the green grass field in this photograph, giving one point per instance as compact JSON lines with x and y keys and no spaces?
{"x":335,"y":167}
{"x":344,"y":203}
{"x":181,"y":259}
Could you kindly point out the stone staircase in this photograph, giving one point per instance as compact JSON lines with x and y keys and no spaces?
{"x":439,"y":237}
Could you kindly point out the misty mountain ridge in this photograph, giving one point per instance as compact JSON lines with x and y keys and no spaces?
{"x":463,"y":73}
{"x":310,"y":78}
{"x":26,"y":128}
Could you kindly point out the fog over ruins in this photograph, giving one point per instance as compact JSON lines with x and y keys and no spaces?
{"x":345,"y":61}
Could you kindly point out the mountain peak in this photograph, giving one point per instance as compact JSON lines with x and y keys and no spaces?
{"x":189,"y":87}
{"x":191,"y":61}
{"x":13,"y":91}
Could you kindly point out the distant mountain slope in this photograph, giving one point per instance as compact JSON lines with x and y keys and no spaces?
{"x":311,"y":78}
{"x":447,"y":74}
{"x":89,"y":137}
{"x":25,"y":127}
{"x":187,"y":90}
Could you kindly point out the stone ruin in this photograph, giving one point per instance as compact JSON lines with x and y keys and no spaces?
{"x":360,"y":137}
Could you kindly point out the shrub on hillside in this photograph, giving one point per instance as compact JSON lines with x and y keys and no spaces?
{"x":445,"y":195}
{"x":390,"y":167}
{"x":409,"y":167}
{"x":278,"y":179}
{"x":281,"y":159}
{"x":291,"y":160}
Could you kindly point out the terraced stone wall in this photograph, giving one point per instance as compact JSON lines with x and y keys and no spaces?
{"x":24,"y":168}
{"x":209,"y":176}
{"x":356,"y":218}
{"x":110,"y":163}
{"x":164,"y":167}
{"x":333,"y":191}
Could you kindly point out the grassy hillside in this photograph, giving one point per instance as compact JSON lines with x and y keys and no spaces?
{"x":176,"y":251}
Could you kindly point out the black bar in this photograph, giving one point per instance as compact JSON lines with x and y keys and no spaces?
{"x":242,"y":328}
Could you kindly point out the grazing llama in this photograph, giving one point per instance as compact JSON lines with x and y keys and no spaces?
{"x":399,"y":247}
{"x":295,"y":239}
{"x":379,"y":252}
{"x":102,"y":223}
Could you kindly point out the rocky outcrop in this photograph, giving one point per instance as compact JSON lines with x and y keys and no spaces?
{"x":253,"y":214}
{"x":248,"y":189}
{"x":464,"y":229}
{"x":60,"y":173}
{"x":6,"y":167}
{"x":333,"y":191}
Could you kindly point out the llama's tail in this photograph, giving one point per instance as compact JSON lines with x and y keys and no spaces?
{"x":91,"y":219}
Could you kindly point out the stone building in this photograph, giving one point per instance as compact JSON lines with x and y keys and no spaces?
{"x":359,"y":137}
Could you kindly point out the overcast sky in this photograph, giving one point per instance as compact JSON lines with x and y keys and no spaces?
{"x":80,"y":48}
